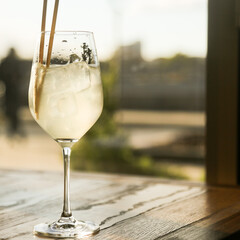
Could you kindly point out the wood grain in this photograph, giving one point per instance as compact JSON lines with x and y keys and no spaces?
{"x":126,"y":207}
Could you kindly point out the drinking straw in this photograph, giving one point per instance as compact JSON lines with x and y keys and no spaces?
{"x":38,"y":87}
{"x":41,"y":49}
{"x":44,"y":13}
{"x":52,"y":32}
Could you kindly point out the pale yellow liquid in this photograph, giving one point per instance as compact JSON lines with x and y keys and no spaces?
{"x":70,"y":101}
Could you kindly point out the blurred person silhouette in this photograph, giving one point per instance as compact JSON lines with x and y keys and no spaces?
{"x":10,"y":74}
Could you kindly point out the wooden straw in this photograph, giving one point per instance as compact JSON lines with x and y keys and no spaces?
{"x":39,"y":79}
{"x":44,"y":13}
{"x":38,"y":87}
{"x":52,"y":32}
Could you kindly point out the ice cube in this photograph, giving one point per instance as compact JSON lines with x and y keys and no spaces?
{"x":57,"y":78}
{"x":63,"y":104}
{"x":80,"y":76}
{"x":74,"y":77}
{"x":61,"y":79}
{"x":74,"y":58}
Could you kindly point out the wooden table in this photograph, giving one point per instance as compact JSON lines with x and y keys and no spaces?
{"x":126,"y":207}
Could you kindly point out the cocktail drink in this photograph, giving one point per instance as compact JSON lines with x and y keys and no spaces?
{"x":70,"y":98}
{"x":66,"y":99}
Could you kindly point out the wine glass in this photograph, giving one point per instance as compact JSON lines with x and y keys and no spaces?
{"x":66,"y":99}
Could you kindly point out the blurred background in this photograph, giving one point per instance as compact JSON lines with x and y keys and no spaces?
{"x":152,"y":55}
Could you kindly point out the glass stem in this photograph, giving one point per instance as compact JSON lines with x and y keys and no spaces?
{"x":66,"y":202}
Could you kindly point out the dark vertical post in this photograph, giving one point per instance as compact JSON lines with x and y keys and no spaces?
{"x":222,"y":93}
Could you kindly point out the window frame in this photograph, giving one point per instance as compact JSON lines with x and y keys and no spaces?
{"x":222,"y":133}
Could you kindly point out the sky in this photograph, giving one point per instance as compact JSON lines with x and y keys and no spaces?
{"x":164,"y":27}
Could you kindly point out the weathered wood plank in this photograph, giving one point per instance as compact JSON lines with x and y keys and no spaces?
{"x":163,"y":220}
{"x":104,"y":199}
{"x":216,"y":226}
{"x":131,"y":208}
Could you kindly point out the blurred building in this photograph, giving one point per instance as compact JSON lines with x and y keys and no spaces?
{"x":176,"y":83}
{"x":131,"y":52}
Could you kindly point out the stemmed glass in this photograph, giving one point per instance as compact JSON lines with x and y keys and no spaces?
{"x":66,"y":99}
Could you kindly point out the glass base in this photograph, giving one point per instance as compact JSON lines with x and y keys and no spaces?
{"x":66,"y":228}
